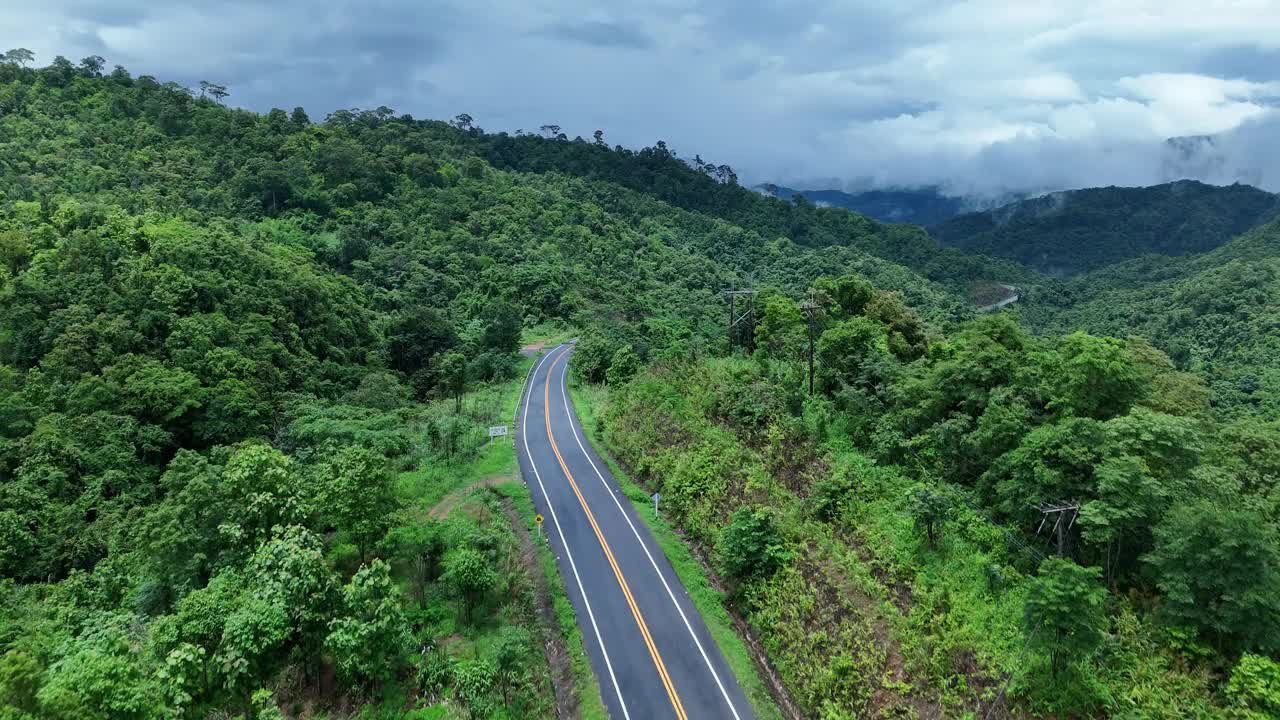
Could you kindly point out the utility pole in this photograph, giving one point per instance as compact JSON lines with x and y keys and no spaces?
{"x":810,"y":309}
{"x":745,"y":317}
{"x":1064,"y":517}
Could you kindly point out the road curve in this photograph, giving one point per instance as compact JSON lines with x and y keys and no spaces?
{"x":648,"y":646}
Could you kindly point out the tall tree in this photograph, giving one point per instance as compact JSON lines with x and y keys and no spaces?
{"x":358,"y":492}
{"x":371,"y":639}
{"x":19,"y":56}
{"x":1219,"y":571}
{"x":1064,"y":612}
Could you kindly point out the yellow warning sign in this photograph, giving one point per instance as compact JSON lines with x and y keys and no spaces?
{"x":538,"y":518}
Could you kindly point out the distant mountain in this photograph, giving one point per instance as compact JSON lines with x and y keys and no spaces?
{"x":1073,"y":231}
{"x":1213,"y":313}
{"x":922,"y":206}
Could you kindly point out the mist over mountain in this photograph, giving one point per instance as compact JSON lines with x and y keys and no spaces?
{"x":1068,"y":232}
{"x":916,"y":206}
{"x":1246,"y":155}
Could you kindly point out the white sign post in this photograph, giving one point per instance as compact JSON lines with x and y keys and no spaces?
{"x":498,"y":431}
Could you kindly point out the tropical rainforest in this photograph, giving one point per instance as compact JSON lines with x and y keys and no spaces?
{"x":1070,"y":232}
{"x":245,"y":360}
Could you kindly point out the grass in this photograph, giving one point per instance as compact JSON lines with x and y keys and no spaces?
{"x":591,"y":706}
{"x":709,"y":601}
{"x":552,"y":333}
{"x":428,"y":485}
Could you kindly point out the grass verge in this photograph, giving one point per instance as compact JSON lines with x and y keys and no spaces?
{"x":709,"y":601}
{"x":430,"y":484}
{"x":590,"y":706}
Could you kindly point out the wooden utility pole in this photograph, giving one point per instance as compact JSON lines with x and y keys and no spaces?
{"x":1064,"y":517}
{"x":746,"y":318}
{"x":810,"y":309}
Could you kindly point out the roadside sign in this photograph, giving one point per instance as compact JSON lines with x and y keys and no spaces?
{"x":538,"y":518}
{"x":656,"y":498}
{"x":537,"y":523}
{"x":497,"y":431}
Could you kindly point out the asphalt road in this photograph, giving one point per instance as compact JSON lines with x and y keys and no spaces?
{"x":649,"y":648}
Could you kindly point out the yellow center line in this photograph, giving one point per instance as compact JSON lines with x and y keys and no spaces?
{"x":608,"y":554}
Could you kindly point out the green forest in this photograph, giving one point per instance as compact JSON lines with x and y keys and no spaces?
{"x":247,"y":361}
{"x":1075,"y":231}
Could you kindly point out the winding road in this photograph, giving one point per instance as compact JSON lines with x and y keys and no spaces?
{"x":648,"y":645}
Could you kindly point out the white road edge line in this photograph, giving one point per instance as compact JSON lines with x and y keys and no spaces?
{"x":524,"y":435}
{"x":574,"y":426}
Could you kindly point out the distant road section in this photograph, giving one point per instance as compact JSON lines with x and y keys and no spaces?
{"x":649,"y":648}
{"x":1012,"y":298}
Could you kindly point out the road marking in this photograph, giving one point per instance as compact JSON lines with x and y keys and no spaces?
{"x":565,"y":397}
{"x":608,"y":553}
{"x":524,"y":434}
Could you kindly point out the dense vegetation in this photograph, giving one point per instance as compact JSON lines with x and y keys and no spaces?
{"x":883,"y":536}
{"x":1065,"y":233}
{"x":243,"y":359}
{"x":1214,"y":314}
{"x":224,"y":334}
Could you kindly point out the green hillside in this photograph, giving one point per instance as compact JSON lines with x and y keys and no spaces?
{"x":224,"y":336}
{"x":246,"y":361}
{"x":1215,"y":314}
{"x":1075,"y":231}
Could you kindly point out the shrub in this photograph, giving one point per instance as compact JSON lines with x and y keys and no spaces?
{"x":750,"y":546}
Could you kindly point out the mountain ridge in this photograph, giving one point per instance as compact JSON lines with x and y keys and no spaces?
{"x":1072,"y":231}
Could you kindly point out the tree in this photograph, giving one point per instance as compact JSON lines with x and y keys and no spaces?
{"x":623,"y":366}
{"x":750,"y":546}
{"x":849,"y":294}
{"x":422,"y":545}
{"x":1054,"y":462}
{"x":288,"y":574}
{"x":474,"y":167}
{"x":592,"y":356}
{"x":598,"y":138}
{"x":19,"y":56}
{"x":1218,"y":569}
{"x":453,"y":377}
{"x":781,"y":332}
{"x":92,"y":66}
{"x":502,"y":328}
{"x":17,"y":543}
{"x":929,"y":509}
{"x":462,"y":121}
{"x":20,"y":679}
{"x":1064,"y":611}
{"x":370,"y":640}
{"x":472,"y":575}
{"x":1254,"y":688}
{"x":213,"y":90}
{"x":906,"y":338}
{"x":1091,"y":376}
{"x":851,"y":353}
{"x":416,"y":336}
{"x":358,"y":492}
{"x":263,"y":492}
{"x":254,"y":642}
{"x":98,"y":679}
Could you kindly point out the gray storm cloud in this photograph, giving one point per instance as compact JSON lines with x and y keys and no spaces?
{"x":980,"y":97}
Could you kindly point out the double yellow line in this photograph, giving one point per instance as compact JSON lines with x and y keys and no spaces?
{"x":608,"y":553}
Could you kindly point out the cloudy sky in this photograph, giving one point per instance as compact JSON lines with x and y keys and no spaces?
{"x":983,"y":96}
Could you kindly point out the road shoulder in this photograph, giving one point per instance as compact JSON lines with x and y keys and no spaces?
{"x":707,"y":598}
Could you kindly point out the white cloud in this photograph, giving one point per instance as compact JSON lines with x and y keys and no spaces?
{"x":984,"y":95}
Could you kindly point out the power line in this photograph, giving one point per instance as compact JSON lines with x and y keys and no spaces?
{"x":1009,"y":677}
{"x":745,"y":319}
